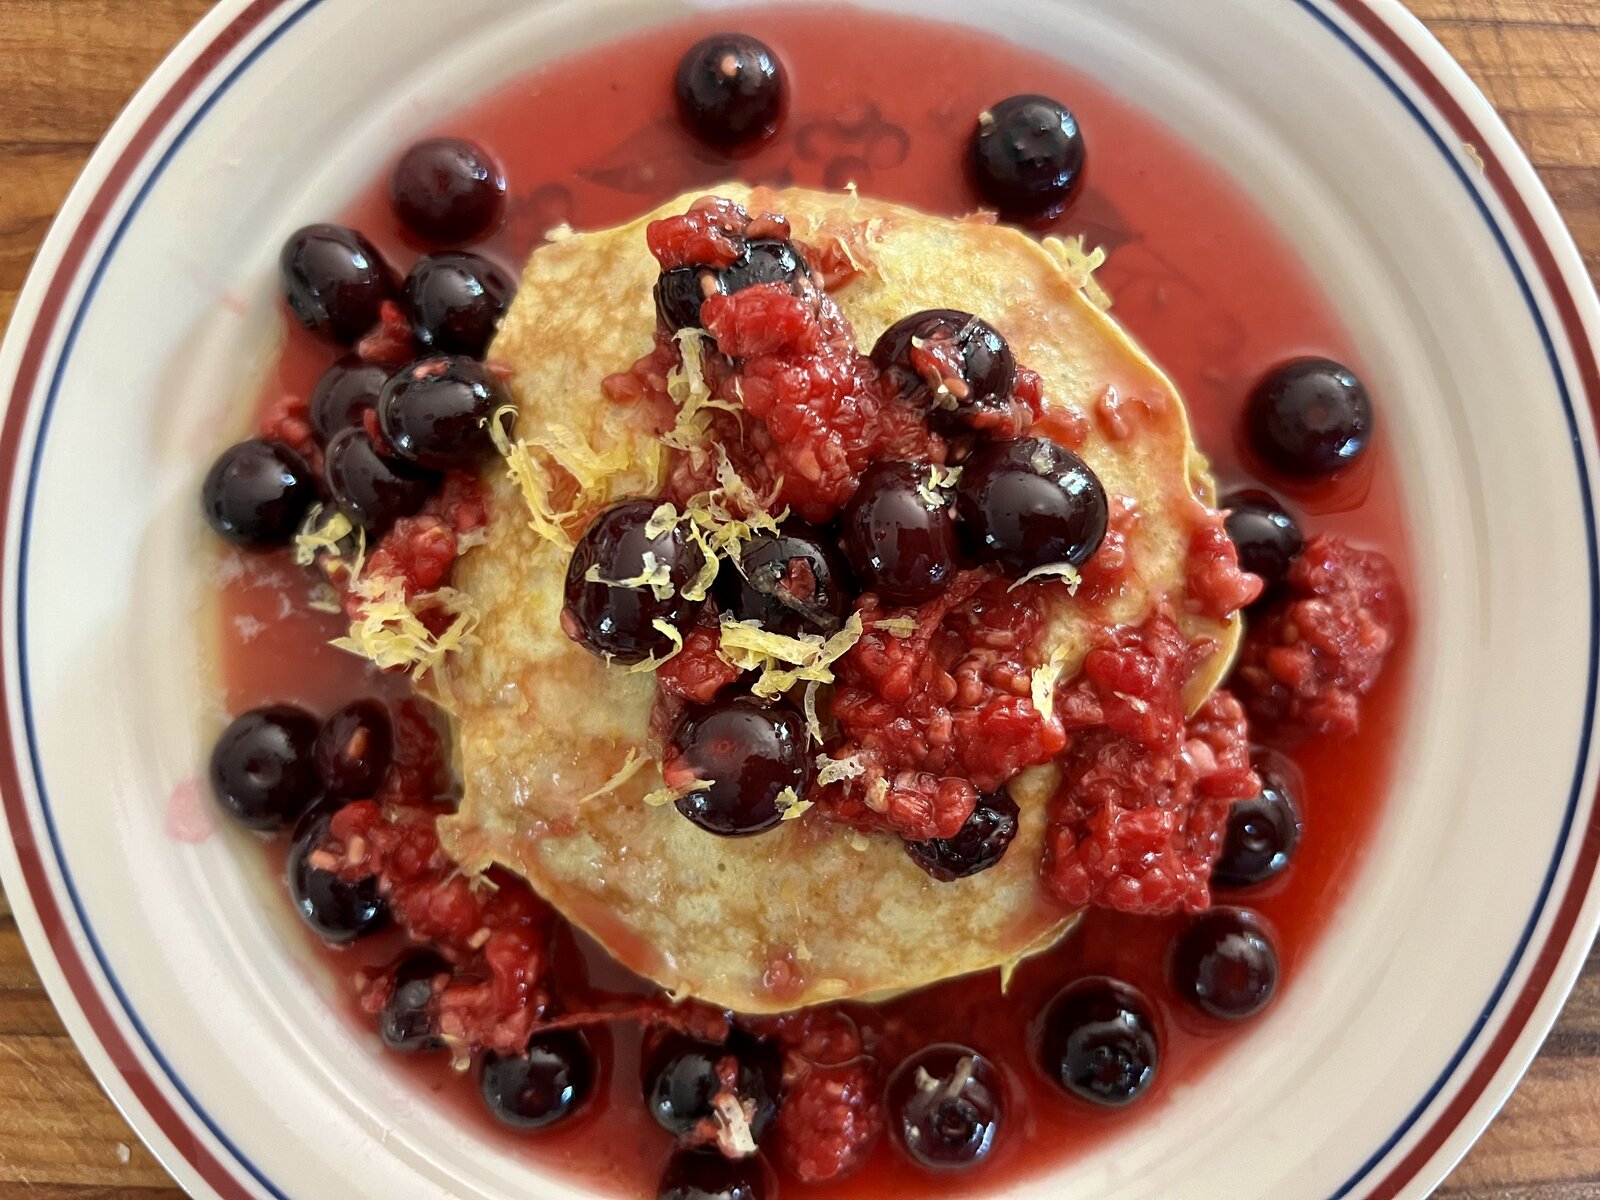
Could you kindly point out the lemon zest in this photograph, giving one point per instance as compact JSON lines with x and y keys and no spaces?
{"x":902,"y":627}
{"x":1066,"y":571}
{"x":838,"y":770}
{"x":631,"y":766}
{"x":780,"y":661}
{"x":391,"y":635}
{"x":1045,"y":678}
{"x":531,"y":464}
{"x":790,"y":805}
{"x":654,"y":663}
{"x":1079,"y":265}
{"x":671,"y":795}
{"x":813,"y":722}
{"x":653,"y":574}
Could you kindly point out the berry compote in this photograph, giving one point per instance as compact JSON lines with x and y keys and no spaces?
{"x":1199,"y":277}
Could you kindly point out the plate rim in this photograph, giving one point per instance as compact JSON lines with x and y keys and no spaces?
{"x":182,"y":1135}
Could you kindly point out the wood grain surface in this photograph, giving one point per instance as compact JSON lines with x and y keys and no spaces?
{"x":68,"y":66}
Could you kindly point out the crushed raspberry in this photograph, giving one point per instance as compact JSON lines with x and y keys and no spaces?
{"x":460,"y":500}
{"x":835,"y":263}
{"x":494,"y":932}
{"x":288,"y":420}
{"x":940,"y":715}
{"x":421,"y":551}
{"x":709,"y":234}
{"x":696,"y":673}
{"x":1218,"y":586}
{"x":391,"y":343}
{"x":762,"y":320}
{"x":419,"y":774}
{"x":1308,"y":661}
{"x":1138,"y":820}
{"x":1105,"y":575}
{"x":831,"y":1115}
{"x":788,"y":359}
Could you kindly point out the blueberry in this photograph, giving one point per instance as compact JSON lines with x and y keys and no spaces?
{"x":1031,"y":503}
{"x":436,"y":411}
{"x":447,"y":189}
{"x":344,"y":395}
{"x":457,"y":301}
{"x":374,"y":490}
{"x":679,"y":293}
{"x":749,"y":752}
{"x":354,"y":747}
{"x":945,"y":1107}
{"x":979,"y":844}
{"x":766,"y":260}
{"x":335,"y":282}
{"x":339,"y":910}
{"x":707,"y":1175}
{"x":956,"y":366}
{"x":790,"y":582}
{"x":1266,"y":536}
{"x":1225,"y":965}
{"x":263,"y":767}
{"x":611,"y":608}
{"x":1263,"y":832}
{"x":1027,"y":156}
{"x":409,"y":1022}
{"x":730,"y":90}
{"x":899,"y":537}
{"x":682,"y":1081}
{"x":257,"y":493}
{"x":1097,"y":1041}
{"x":1310,"y":417}
{"x":544,"y":1085}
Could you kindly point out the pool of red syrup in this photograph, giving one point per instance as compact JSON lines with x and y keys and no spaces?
{"x":1199,"y":276}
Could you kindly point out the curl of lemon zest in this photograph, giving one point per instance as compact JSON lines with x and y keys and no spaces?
{"x":1080,"y":264}
{"x":1007,"y":972}
{"x":686,"y":384}
{"x":317,"y":533}
{"x":1044,"y":682}
{"x":898,"y":626}
{"x":331,"y":537}
{"x":654,"y":663}
{"x":877,"y":795}
{"x":600,"y":476}
{"x":661,"y":520}
{"x":790,"y":805}
{"x":391,"y":635}
{"x":935,"y":491}
{"x":631,"y":766}
{"x":671,"y":795}
{"x":1066,"y":571}
{"x":472,"y":539}
{"x":700,"y":586}
{"x":837,"y":770}
{"x":813,"y":722}
{"x":781,"y":662}
{"x":653,"y":574}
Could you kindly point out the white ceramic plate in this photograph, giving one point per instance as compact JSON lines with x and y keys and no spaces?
{"x":150,"y":309}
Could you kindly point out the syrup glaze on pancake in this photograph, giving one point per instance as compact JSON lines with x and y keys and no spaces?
{"x":812,"y":910}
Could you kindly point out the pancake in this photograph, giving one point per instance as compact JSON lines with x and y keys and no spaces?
{"x":554,"y":743}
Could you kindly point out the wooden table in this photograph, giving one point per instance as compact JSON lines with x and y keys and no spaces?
{"x":67,"y":67}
